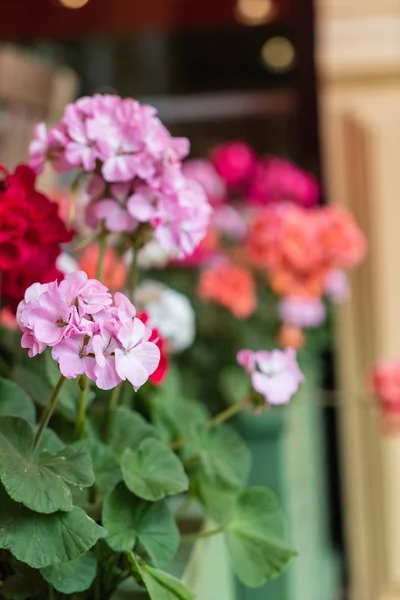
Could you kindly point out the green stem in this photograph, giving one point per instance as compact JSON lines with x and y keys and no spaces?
{"x":223,"y":416}
{"x":133,"y":273}
{"x":48,"y":412}
{"x":82,"y":403}
{"x":228,"y":413}
{"x":193,"y":537}
{"x":102,"y":253}
{"x":114,"y":400}
{"x":74,"y":194}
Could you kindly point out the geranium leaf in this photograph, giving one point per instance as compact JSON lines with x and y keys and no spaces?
{"x":74,"y":576}
{"x":39,"y":482}
{"x":255,"y":537}
{"x":105,"y":466}
{"x":220,"y":468}
{"x":15,"y":402}
{"x":131,"y":522}
{"x":128,"y":430}
{"x":161,"y":585}
{"x":153,"y":471}
{"x":41,"y":540}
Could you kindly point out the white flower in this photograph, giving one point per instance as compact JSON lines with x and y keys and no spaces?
{"x":66,"y":263}
{"x":170,"y":312}
{"x":152,"y":255}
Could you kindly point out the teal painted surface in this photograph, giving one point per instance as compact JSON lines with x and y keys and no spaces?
{"x":289,"y":456}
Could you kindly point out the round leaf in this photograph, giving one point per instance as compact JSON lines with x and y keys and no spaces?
{"x":162,"y":586}
{"x":39,"y":482}
{"x":128,"y":430}
{"x":72,"y":577}
{"x":15,"y":402}
{"x":153,"y":471}
{"x":41,"y":540}
{"x":254,"y":538}
{"x":130,"y":521}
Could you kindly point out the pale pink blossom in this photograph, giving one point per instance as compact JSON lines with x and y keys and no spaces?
{"x":302,"y":312}
{"x":204,"y":172}
{"x":72,"y":355}
{"x":275,"y":375}
{"x":90,"y":332}
{"x":337,"y":286}
{"x":138,"y":358}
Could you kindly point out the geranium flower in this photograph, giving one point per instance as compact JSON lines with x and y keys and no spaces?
{"x":90,"y":332}
{"x":275,"y":375}
{"x":230,"y":286}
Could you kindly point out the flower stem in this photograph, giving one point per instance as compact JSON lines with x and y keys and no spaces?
{"x":48,"y":412}
{"x":228,"y":413}
{"x":133,"y":273}
{"x":223,"y":416}
{"x":74,"y":194}
{"x":102,"y":253}
{"x":82,"y":402}
{"x":114,"y":400}
{"x":193,"y":537}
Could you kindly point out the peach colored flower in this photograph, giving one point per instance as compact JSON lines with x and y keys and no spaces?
{"x":291,"y":336}
{"x":343,"y":242}
{"x":230,"y":286}
{"x":114,"y":271}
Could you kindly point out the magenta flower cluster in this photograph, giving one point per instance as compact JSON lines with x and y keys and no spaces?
{"x":275,"y":375}
{"x":90,"y":332}
{"x":136,"y":169}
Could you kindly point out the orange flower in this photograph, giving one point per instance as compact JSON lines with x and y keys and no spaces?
{"x":291,"y":336}
{"x":343,"y":242}
{"x":7,"y":319}
{"x":231,"y":286}
{"x":300,"y":247}
{"x":114,"y":270}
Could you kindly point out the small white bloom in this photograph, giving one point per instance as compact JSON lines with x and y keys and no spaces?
{"x":170,"y":312}
{"x":152,"y":255}
{"x":66,"y":263}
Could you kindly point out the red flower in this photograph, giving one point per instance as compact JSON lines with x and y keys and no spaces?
{"x":31,"y":232}
{"x":159,"y":375}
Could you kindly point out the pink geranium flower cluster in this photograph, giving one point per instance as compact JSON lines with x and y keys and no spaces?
{"x":275,"y":375}
{"x":90,"y":332}
{"x":136,"y":169}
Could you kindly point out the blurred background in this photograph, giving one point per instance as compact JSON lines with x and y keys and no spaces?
{"x":314,"y":80}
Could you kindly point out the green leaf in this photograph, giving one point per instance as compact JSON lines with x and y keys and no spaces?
{"x":129,"y":429}
{"x":153,"y":471}
{"x":42,"y":540}
{"x":107,"y":471}
{"x":34,"y":382}
{"x":254,"y":538}
{"x":234,"y":383}
{"x":221,"y":464}
{"x":72,"y":464}
{"x":221,"y":455}
{"x":130,"y":522}
{"x":162,"y":586}
{"x":72,"y":577}
{"x":22,"y":586}
{"x":39,"y":482}
{"x":15,"y":402}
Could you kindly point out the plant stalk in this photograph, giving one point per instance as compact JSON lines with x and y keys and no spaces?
{"x":228,"y":413}
{"x":193,"y":537}
{"x":82,"y":403}
{"x":223,"y":416}
{"x":48,"y":412}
